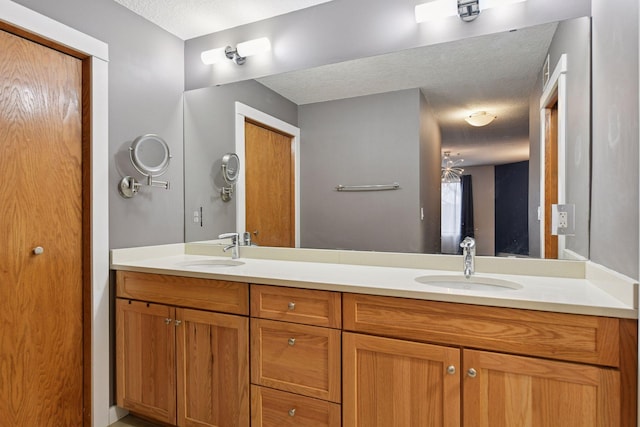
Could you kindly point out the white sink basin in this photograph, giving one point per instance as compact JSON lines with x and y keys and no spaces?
{"x":211,"y":263}
{"x":474,"y":283}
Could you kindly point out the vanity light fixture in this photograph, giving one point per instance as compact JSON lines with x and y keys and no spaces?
{"x":480,"y":118}
{"x":467,"y":10}
{"x":237,"y":55}
{"x":451,"y":170}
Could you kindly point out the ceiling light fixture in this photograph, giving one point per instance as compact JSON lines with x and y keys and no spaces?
{"x":480,"y":118}
{"x":467,"y":10}
{"x":451,"y":170}
{"x":237,"y":55}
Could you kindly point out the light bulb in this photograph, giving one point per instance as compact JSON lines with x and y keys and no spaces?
{"x":253,"y":47}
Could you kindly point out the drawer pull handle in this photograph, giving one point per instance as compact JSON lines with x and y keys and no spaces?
{"x":167,"y":321}
{"x":472,"y":373}
{"x":292,"y":412}
{"x":451,"y":370}
{"x":292,"y":306}
{"x":292,"y":341}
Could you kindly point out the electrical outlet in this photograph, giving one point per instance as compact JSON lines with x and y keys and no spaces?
{"x":563,"y":219}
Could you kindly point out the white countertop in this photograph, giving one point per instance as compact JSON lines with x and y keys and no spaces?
{"x":558,"y":294}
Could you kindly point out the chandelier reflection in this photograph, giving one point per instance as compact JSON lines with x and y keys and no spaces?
{"x":451,"y":169}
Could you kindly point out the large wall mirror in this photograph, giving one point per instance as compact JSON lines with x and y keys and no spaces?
{"x":390,"y":119}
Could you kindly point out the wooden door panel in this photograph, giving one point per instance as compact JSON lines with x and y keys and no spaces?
{"x":41,"y":339}
{"x":270,"y":205}
{"x":389,"y":383}
{"x":213,"y":369}
{"x":550,"y":179}
{"x":520,"y":391}
{"x":145,"y":359}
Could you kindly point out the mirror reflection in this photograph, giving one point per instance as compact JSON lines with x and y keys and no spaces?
{"x":390,"y":119}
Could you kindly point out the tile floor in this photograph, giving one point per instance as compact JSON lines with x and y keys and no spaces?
{"x":131,"y":421}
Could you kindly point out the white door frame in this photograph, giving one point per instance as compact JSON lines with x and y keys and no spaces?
{"x":244,"y":111}
{"x":556,"y":88}
{"x":21,"y":17}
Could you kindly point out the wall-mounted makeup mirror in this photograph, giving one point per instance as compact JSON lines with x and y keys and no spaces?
{"x":150,"y":155}
{"x":230,"y":172}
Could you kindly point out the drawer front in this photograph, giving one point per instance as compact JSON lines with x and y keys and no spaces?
{"x":205,"y":294}
{"x":297,"y":358}
{"x":571,"y":337}
{"x":273,"y":408}
{"x":311,"y":307}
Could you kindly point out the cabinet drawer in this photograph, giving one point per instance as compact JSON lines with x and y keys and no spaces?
{"x":206,"y":294}
{"x":297,"y":358}
{"x":588,"y":339}
{"x":311,"y":307}
{"x":273,"y":408}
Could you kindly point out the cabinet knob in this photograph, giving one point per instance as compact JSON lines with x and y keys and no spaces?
{"x":178,"y":322}
{"x":292,"y":306}
{"x":451,"y":369}
{"x":472,"y":373}
{"x":38,"y":250}
{"x":292,"y":412}
{"x":167,"y":321}
{"x":292,"y":341}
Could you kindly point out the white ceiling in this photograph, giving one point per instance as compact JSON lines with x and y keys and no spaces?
{"x":193,"y":18}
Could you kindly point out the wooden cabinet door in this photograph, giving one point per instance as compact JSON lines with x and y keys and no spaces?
{"x":145,"y":358}
{"x":389,"y":382}
{"x":506,"y":391}
{"x":213,"y":369}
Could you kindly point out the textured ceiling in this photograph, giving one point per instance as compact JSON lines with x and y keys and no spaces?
{"x":494,"y":73}
{"x":193,"y":18}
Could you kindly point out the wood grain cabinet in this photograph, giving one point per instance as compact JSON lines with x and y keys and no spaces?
{"x":443,"y":364}
{"x":182,"y":366}
{"x":295,"y":357}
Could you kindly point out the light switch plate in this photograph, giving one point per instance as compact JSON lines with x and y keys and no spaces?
{"x":563,"y":220}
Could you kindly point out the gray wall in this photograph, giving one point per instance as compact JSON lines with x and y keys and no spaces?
{"x":578,"y":134}
{"x":430,"y":187}
{"x":209,"y":133}
{"x":614,"y":196}
{"x":145,"y":96}
{"x":347,"y":29}
{"x":365,"y":140}
{"x":534,"y":169}
{"x":484,"y":208}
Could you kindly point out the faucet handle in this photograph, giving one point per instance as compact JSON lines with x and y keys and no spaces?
{"x":233,"y":236}
{"x":468,"y":242}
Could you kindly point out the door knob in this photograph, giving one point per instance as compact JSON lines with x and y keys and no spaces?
{"x":38,"y":250}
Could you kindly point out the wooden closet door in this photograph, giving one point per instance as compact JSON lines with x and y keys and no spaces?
{"x":270,"y":186}
{"x":41,"y":295}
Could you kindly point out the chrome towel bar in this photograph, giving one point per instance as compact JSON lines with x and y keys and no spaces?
{"x":371,"y":187}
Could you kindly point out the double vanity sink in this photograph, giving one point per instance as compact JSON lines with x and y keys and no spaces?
{"x":561,"y":286}
{"x":450,"y":282}
{"x":300,"y":337}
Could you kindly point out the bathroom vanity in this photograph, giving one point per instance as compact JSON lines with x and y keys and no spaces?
{"x":318,"y":341}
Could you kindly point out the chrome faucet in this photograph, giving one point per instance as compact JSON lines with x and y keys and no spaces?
{"x":468,"y":246}
{"x":234,"y":246}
